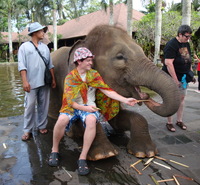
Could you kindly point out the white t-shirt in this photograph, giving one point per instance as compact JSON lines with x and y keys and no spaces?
{"x":90,"y":94}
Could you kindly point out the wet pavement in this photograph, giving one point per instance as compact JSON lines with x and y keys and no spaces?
{"x":23,"y":163}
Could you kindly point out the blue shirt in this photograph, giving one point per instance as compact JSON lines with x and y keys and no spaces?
{"x":30,"y":60}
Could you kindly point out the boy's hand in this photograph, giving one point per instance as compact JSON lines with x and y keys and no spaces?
{"x":131,"y":101}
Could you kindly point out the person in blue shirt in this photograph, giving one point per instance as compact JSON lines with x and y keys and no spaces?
{"x":32,"y":68}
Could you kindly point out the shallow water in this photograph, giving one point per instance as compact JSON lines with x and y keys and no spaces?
{"x":11,"y":91}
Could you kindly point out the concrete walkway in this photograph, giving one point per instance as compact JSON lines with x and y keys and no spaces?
{"x":26,"y":162}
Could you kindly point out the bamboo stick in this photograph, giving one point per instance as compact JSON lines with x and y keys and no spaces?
{"x":142,"y":100}
{"x":145,"y":167}
{"x":99,"y":169}
{"x":67,"y":172}
{"x":163,"y":159}
{"x":178,"y":155}
{"x":179,"y":163}
{"x":4,"y":145}
{"x":136,"y":170}
{"x":154,"y":180}
{"x":148,"y":161}
{"x":176,"y":180}
{"x":165,"y":180}
{"x":162,"y":165}
{"x":184,"y":177}
{"x":135,"y":163}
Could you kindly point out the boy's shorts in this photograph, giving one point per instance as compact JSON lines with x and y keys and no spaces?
{"x":79,"y":114}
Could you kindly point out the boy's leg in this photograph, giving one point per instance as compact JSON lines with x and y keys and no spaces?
{"x":89,"y":135}
{"x":59,"y":130}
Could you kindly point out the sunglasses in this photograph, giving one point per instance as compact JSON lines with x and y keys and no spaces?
{"x":187,"y":36}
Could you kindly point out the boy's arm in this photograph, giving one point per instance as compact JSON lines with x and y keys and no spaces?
{"x":88,"y":108}
{"x":114,"y":95}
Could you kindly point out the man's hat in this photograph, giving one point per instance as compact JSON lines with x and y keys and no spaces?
{"x":33,"y":27}
{"x":82,"y":53}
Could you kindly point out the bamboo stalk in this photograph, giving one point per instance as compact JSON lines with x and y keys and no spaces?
{"x":154,"y":180}
{"x":136,"y":170}
{"x":179,"y":163}
{"x":142,"y":100}
{"x":145,"y":167}
{"x":135,"y":163}
{"x":67,"y":172}
{"x":176,"y":180}
{"x":184,"y":177}
{"x":148,"y":161}
{"x":99,"y":169}
{"x":162,"y":165}
{"x":165,"y":180}
{"x":178,"y":155}
{"x":4,"y":145}
{"x":163,"y":159}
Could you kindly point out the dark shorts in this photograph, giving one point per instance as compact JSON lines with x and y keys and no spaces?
{"x":79,"y":114}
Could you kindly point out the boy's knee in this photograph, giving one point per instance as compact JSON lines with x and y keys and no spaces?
{"x":63,"y":120}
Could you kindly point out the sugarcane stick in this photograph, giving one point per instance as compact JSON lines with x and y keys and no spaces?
{"x":179,"y":163}
{"x":135,"y":163}
{"x":165,"y":180}
{"x":176,"y":180}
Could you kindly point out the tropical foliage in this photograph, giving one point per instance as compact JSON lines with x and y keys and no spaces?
{"x":171,"y":20}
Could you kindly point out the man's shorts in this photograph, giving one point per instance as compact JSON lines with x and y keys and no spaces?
{"x":182,"y":90}
{"x":79,"y":114}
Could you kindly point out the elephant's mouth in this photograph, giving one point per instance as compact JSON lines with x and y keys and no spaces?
{"x":146,"y":96}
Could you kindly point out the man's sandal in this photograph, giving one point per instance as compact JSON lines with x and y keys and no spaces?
{"x":43,"y":131}
{"x":83,"y":167}
{"x":181,"y":125}
{"x":54,"y":159}
{"x":26,"y":136}
{"x":170,"y":127}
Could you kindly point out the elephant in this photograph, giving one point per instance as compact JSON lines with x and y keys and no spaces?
{"x":124,"y":67}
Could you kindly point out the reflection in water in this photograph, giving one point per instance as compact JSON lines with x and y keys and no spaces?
{"x":11,"y":91}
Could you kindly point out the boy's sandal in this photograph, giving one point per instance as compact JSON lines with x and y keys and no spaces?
{"x":26,"y":136}
{"x":83,"y":167}
{"x":43,"y":131}
{"x":54,"y":159}
{"x":181,"y":125}
{"x":170,"y":127}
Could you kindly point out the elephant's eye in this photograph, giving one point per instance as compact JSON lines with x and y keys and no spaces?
{"x":120,"y":56}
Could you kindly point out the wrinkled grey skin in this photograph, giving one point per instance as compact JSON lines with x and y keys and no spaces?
{"x":124,"y":67}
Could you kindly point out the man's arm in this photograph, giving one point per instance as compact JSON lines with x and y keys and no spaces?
{"x":53,"y":84}
{"x":171,"y":70}
{"x":114,"y":95}
{"x":26,"y":85}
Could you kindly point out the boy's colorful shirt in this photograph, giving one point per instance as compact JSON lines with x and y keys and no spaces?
{"x":74,"y":84}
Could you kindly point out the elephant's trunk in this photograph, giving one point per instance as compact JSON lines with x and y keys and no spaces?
{"x":157,"y":80}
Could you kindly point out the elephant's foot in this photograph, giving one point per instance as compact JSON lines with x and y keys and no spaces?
{"x":142,"y":149}
{"x":99,"y":152}
{"x":101,"y":147}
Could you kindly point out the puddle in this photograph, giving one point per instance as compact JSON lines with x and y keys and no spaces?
{"x":11,"y":91}
{"x":179,"y":139}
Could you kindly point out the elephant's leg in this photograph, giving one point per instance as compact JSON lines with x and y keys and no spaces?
{"x":140,"y":143}
{"x":101,"y":147}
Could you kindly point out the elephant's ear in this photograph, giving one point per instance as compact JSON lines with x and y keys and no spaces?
{"x":77,"y":44}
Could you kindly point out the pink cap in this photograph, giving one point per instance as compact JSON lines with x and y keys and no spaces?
{"x":82,"y":53}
